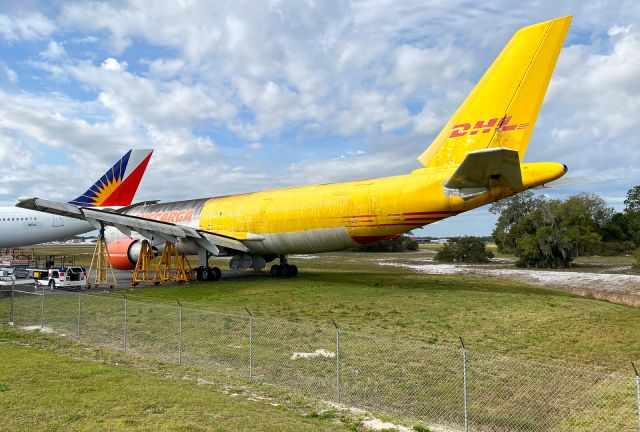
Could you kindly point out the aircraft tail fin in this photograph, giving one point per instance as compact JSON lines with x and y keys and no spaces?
{"x":119,"y":184}
{"x":501,"y":110}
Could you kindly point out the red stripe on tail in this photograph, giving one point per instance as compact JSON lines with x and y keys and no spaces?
{"x":123,"y":196}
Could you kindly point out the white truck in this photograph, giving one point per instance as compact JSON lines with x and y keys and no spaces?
{"x":62,"y":277}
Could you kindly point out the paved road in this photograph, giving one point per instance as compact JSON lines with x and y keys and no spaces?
{"x":123,"y":280}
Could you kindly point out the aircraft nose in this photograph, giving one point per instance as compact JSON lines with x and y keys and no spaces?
{"x":565,"y":168}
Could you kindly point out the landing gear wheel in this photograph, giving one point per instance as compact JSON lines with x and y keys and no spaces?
{"x":206,"y":273}
{"x":293,"y":270}
{"x":275,"y":270}
{"x":217,"y":272}
{"x":285,"y":270}
{"x":198,"y":272}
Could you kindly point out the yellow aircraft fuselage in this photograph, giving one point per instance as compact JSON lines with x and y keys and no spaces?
{"x":327,"y":217}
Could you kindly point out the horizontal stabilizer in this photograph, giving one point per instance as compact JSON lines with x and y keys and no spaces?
{"x":482,"y":169}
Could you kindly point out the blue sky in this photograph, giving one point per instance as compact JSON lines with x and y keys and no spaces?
{"x":244,"y":96}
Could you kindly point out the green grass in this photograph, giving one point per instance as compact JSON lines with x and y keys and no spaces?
{"x":491,"y":314}
{"x":49,"y":384}
{"x":403,"y":369}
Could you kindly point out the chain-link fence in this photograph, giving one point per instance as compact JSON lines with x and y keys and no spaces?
{"x":452,"y":389}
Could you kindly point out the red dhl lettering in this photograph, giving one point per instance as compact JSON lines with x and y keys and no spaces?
{"x":482,"y":126}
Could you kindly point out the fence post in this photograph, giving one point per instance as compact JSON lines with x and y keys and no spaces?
{"x":250,"y":343}
{"x":126,"y":324}
{"x":637,"y":392}
{"x":179,"y":332}
{"x":12,"y":300}
{"x":337,"y":361}
{"x":42,"y":308}
{"x":464,"y":385}
{"x":79,"y":315}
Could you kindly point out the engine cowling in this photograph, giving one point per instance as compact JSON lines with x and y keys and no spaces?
{"x":124,"y":253}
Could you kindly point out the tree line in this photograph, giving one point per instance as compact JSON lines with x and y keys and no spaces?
{"x":543,"y":232}
{"x":551,"y":233}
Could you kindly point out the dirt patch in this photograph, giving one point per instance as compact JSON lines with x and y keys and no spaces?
{"x":618,"y":288}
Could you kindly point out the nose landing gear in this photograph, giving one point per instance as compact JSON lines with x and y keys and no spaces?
{"x":284,"y":269}
{"x":204,"y":272}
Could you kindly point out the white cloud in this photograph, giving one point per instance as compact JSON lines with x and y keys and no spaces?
{"x":25,"y":27}
{"x":419,"y":69}
{"x":346,"y":167}
{"x":593,"y":105}
{"x":277,"y":59}
{"x":166,"y":68}
{"x":7,"y":74}
{"x":218,"y":84}
{"x":111,"y":64}
{"x":54,"y":51}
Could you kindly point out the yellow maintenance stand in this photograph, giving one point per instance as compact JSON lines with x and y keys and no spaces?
{"x":103,"y":262}
{"x":171,"y":267}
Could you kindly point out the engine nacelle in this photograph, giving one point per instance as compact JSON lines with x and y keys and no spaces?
{"x":124,"y":253}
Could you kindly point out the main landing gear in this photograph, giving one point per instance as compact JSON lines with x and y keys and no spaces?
{"x":204,"y":272}
{"x":284,"y":269}
{"x":208,"y":273}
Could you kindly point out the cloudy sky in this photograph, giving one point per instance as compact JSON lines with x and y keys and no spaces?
{"x":240,"y":96}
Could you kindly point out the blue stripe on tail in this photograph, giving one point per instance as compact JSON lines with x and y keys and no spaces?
{"x":95,"y":193}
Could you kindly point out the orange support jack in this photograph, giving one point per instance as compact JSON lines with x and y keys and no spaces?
{"x":171,"y":267}
{"x":143,"y":265}
{"x":103,"y":262}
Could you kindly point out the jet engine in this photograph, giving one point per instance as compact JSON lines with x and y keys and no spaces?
{"x":124,"y":253}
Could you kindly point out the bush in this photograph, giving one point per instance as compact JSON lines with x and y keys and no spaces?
{"x":464,"y":249}
{"x":550,"y":233}
{"x":399,"y":244}
{"x":613,"y":248}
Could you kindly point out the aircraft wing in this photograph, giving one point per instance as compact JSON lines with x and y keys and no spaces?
{"x":155,"y":231}
{"x":482,"y":169}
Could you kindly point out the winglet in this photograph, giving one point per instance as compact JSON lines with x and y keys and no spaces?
{"x":119,"y":184}
{"x":502,"y":108}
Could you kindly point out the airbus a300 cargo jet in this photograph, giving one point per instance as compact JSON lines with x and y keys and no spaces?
{"x":116,"y":188}
{"x":476,"y":159}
